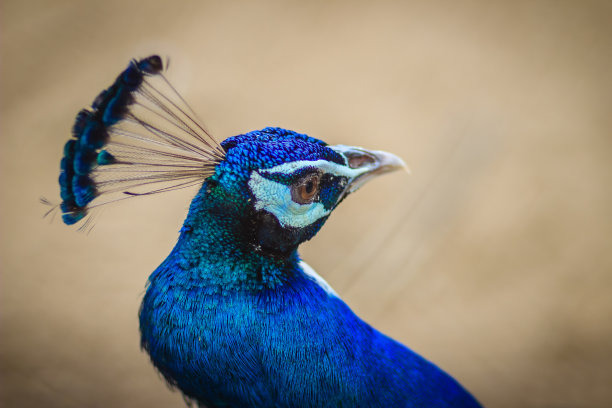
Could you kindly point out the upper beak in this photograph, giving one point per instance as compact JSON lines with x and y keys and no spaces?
{"x":369,"y":164}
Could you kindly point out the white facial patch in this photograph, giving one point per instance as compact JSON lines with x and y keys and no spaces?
{"x":276,"y":197}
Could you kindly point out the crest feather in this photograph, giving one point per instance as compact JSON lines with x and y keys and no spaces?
{"x":140,"y":137}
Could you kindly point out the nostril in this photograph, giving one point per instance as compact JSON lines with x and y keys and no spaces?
{"x":356,"y":160}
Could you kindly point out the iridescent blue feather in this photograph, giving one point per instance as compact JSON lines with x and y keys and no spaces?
{"x":233,"y":317}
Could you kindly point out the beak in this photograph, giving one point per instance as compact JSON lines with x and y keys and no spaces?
{"x":368,"y":164}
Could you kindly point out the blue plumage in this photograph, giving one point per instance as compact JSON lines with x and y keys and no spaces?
{"x":233,"y":317}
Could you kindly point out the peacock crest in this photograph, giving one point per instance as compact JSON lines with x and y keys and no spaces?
{"x":140,"y":137}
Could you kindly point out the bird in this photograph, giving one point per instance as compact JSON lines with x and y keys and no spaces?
{"x":233,"y":317}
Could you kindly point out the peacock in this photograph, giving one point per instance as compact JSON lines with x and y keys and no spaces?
{"x":233,"y":317}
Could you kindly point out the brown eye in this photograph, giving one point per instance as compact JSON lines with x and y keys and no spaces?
{"x":306,"y":189}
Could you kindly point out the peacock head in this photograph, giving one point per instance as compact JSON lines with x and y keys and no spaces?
{"x":270,"y":189}
{"x":288,"y":183}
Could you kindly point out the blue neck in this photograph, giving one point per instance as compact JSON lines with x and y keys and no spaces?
{"x":232,"y":325}
{"x":217,"y":248}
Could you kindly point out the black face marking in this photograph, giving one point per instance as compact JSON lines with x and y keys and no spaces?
{"x":268,"y":236}
{"x":272,"y":238}
{"x":331,"y":190}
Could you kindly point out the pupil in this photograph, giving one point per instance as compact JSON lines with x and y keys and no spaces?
{"x":309,"y":187}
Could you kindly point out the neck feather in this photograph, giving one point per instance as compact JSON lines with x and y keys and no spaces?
{"x":217,"y":247}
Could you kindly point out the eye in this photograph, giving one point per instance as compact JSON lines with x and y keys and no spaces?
{"x":305,"y":190}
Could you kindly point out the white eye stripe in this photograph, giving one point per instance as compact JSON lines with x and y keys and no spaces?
{"x":323,"y":165}
{"x":276,"y":197}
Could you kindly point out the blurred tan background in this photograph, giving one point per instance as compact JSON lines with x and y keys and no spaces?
{"x":493,"y":259}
